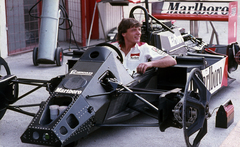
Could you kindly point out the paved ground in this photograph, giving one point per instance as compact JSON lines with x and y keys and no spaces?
{"x":13,"y":124}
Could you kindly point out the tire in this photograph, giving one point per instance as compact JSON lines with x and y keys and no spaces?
{"x":35,"y":55}
{"x":59,"y":56}
{"x":3,"y":105}
{"x":2,"y":112}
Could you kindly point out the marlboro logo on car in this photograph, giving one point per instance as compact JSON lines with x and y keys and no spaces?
{"x":198,"y":8}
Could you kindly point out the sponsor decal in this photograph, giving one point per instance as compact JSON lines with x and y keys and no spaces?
{"x":135,"y":56}
{"x":198,"y":8}
{"x":213,"y":76}
{"x":82,"y":73}
{"x":158,"y":51}
{"x":68,"y":91}
{"x":175,"y":40}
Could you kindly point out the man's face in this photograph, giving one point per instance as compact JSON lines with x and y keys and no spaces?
{"x":132,"y":35}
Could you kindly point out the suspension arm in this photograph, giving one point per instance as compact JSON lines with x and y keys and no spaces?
{"x":142,"y":99}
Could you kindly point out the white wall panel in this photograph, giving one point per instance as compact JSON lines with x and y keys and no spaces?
{"x":3,"y":33}
{"x":111,"y":16}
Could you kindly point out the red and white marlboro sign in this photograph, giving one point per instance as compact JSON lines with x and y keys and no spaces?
{"x":200,"y":10}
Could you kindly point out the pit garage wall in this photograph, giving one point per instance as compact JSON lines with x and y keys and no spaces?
{"x":111,"y":16}
{"x":3,"y":32}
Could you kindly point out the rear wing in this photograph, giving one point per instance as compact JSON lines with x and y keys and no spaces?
{"x":201,"y":10}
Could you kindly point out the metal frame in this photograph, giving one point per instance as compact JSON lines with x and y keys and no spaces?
{"x":38,"y":83}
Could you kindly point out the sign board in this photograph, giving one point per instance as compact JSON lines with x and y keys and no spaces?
{"x":200,"y":10}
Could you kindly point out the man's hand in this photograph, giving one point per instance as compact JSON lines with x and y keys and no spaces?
{"x":161,"y":63}
{"x":142,"y":67}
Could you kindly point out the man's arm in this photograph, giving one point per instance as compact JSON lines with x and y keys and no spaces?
{"x":161,"y":63}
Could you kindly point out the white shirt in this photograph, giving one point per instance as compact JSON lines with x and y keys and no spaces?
{"x":140,"y":53}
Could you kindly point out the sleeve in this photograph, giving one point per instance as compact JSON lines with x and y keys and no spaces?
{"x":155,"y":53}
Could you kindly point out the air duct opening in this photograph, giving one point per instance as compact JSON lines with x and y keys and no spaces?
{"x":72,"y":121}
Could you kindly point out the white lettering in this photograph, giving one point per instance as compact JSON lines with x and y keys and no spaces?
{"x":213,"y":78}
{"x":68,"y":91}
{"x":83,"y":73}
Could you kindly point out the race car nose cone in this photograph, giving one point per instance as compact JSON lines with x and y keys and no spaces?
{"x":56,"y":125}
{"x":40,"y":136}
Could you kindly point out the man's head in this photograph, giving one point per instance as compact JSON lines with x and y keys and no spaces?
{"x":125,"y":24}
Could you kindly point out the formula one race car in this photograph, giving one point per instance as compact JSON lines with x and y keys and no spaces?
{"x":98,"y":91}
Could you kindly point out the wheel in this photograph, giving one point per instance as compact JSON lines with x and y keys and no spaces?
{"x":3,"y":105}
{"x":195,"y":108}
{"x":5,"y":65}
{"x":59,"y":56}
{"x":2,"y":112}
{"x":35,"y":55}
{"x":233,"y":57}
{"x":4,"y":102}
{"x":120,"y":57}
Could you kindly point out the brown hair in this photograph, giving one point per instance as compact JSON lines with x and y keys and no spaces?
{"x":125,"y":24}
